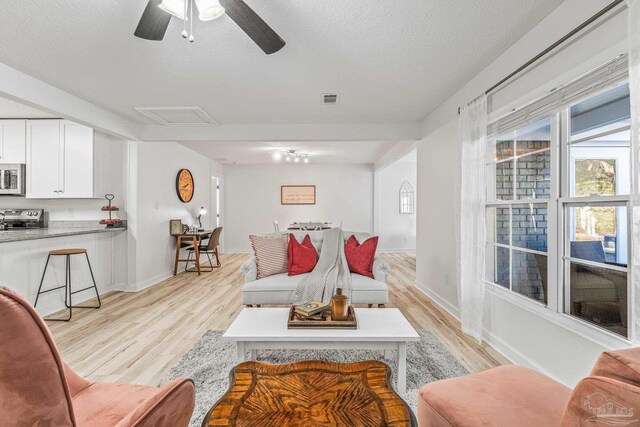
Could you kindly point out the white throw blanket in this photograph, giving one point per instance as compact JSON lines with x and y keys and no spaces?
{"x":331,"y":272}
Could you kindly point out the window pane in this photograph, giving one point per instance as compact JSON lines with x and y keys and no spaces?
{"x":533,"y":137}
{"x":502,"y":267}
{"x":530,"y":275}
{"x":504,"y":180}
{"x":596,"y":114}
{"x":533,"y":180}
{"x":594,"y":232}
{"x":497,"y":265}
{"x":599,"y":296}
{"x":601,"y":166}
{"x":498,"y":225}
{"x":502,"y":147}
{"x":529,"y":224}
{"x":502,"y":225}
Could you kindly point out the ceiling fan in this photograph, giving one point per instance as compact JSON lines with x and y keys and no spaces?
{"x":157,"y":15}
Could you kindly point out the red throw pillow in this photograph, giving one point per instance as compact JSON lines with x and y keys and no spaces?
{"x":302,"y":256}
{"x":360,"y":256}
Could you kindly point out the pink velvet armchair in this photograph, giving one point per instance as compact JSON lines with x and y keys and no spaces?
{"x":38,"y":389}
{"x":514,"y":396}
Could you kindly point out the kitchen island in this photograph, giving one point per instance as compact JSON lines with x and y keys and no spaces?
{"x":23,"y":254}
{"x":17,"y":235}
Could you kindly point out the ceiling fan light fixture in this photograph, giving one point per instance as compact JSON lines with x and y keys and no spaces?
{"x":174,"y":7}
{"x":209,"y":9}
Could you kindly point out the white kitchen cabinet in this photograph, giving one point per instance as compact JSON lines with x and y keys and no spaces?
{"x":60,"y":160}
{"x":77,"y":160}
{"x":13,"y":141}
{"x":43,"y":159}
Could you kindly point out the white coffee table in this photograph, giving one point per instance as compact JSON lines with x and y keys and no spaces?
{"x":378,"y":329}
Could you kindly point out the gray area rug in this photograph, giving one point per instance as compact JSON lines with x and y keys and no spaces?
{"x":211,"y":358}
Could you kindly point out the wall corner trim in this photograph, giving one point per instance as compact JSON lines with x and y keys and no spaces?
{"x":444,"y":304}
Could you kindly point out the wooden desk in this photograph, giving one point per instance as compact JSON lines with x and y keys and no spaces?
{"x":184,"y":240}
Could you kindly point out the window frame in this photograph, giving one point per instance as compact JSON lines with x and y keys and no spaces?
{"x":407,"y":199}
{"x":558,"y":205}
{"x":548,"y":202}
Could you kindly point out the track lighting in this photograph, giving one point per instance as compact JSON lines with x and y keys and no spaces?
{"x":291,"y":155}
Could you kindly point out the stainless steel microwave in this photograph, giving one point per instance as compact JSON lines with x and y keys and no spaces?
{"x":12,"y":179}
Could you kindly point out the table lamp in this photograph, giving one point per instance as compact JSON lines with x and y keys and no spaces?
{"x":203,"y":211}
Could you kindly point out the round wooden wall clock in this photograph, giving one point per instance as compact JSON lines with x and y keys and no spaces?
{"x":185,"y":185}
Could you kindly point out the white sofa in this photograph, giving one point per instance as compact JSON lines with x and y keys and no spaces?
{"x":277,"y":289}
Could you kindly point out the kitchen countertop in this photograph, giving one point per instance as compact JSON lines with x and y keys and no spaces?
{"x":46,"y":233}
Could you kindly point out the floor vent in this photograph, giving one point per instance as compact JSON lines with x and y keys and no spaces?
{"x":178,"y":116}
{"x":330,"y":98}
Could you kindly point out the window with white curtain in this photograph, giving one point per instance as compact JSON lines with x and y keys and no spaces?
{"x":558,"y":185}
{"x":407,"y":198}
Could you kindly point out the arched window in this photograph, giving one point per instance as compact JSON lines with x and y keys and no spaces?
{"x":407,"y":199}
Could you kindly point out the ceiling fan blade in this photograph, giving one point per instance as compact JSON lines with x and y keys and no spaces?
{"x":154,"y":22}
{"x":253,"y":25}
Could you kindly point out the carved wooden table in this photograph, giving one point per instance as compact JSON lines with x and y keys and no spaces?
{"x":310,"y":394}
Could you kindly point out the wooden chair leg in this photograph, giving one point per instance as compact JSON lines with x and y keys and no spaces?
{"x":258,"y":305}
{"x":369,"y":305}
{"x":380,"y":305}
{"x":217,"y":258}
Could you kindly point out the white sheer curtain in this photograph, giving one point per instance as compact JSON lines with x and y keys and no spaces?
{"x":471,"y":243}
{"x":634,"y":85}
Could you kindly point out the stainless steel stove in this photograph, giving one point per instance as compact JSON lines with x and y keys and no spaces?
{"x":20,"y":219}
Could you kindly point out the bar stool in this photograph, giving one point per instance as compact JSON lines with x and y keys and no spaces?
{"x":67,"y":281}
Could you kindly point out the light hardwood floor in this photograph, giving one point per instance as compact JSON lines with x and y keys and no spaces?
{"x":138,"y":337}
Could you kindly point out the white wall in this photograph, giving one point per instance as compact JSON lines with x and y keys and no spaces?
{"x":438,"y":171}
{"x":526,"y":337}
{"x":397,"y":231}
{"x":153,"y":172}
{"x":344,"y":194}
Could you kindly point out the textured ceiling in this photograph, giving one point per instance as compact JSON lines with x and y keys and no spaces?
{"x":388,"y":61}
{"x":366,"y":152}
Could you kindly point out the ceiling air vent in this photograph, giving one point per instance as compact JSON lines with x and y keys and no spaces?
{"x":330,"y":98}
{"x":178,"y":116}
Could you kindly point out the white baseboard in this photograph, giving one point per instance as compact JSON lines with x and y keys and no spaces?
{"x":137,"y":287}
{"x":444,"y":304}
{"x":238,"y":251}
{"x":390,"y":250}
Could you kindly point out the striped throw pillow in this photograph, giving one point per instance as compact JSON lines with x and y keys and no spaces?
{"x":271,"y":254}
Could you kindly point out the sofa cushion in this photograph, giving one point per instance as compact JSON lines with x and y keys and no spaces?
{"x":103,"y":404}
{"x":316,"y":236}
{"x":620,"y":365}
{"x":502,"y":397}
{"x":360,"y":256}
{"x":271,"y":254}
{"x":277,"y":289}
{"x":302,"y":256}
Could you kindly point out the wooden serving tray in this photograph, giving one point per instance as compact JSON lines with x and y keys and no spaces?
{"x":297,"y":322}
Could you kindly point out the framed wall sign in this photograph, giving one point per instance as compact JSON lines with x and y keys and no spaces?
{"x":175,"y":227}
{"x":298,"y":195}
